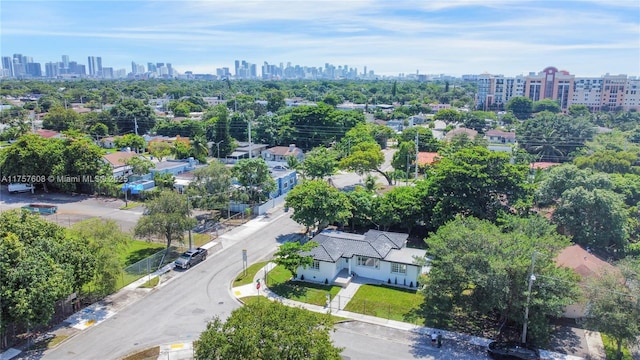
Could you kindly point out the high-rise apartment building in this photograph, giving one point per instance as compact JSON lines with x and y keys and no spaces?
{"x":597,"y":93}
{"x":7,"y":65}
{"x":92,"y":65}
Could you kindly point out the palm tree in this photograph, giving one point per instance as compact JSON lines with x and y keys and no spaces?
{"x":199,"y":147}
{"x":546,"y":148}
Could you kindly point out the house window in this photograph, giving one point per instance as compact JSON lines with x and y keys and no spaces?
{"x":368,"y":262}
{"x":315,"y":265}
{"x":398,"y":268}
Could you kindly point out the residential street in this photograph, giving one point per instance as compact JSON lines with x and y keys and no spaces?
{"x":180,"y":309}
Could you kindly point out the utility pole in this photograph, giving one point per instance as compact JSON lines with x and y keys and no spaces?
{"x":190,"y":241}
{"x":135,"y":125}
{"x":417,"y":139}
{"x":526,"y":309}
{"x":250,"y":147}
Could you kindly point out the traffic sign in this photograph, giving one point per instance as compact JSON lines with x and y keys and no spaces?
{"x":258,"y":285}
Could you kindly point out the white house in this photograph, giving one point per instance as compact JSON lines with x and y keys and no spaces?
{"x":377,"y":255}
{"x":281,"y":153}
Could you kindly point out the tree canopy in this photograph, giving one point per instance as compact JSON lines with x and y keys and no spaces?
{"x":482,"y":268}
{"x":316,"y":203}
{"x":268,"y":330}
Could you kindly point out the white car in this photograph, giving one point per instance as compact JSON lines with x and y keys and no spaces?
{"x":19,"y":187}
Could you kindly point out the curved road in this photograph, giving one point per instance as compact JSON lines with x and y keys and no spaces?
{"x":180,"y":309}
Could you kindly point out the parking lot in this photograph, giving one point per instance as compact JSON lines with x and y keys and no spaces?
{"x":74,"y":208}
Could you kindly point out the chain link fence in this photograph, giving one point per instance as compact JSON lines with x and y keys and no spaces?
{"x":150,"y":264}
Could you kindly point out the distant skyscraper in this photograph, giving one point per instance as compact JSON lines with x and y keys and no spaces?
{"x":7,"y":65}
{"x":169,"y":70}
{"x":91,"y":63}
{"x":99,"y":69}
{"x":65,"y":61}
{"x":237,"y":68}
{"x":51,"y":69}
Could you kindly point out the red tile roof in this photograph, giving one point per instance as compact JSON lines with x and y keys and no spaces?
{"x":47,"y":133}
{"x":427,"y":158}
{"x":582,"y":261}
{"x":543,"y":165}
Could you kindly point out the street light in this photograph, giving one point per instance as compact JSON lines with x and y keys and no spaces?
{"x":532,"y":278}
{"x":218,"y":146}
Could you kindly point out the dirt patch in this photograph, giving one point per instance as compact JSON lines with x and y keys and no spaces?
{"x":148,"y":354}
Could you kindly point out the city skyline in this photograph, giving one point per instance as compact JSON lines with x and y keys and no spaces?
{"x":587,"y":38}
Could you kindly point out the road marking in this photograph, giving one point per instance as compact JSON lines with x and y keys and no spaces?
{"x":237,"y":292}
{"x":177,"y":346}
{"x":89,"y":323}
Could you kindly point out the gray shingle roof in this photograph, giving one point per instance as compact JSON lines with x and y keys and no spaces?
{"x":332,"y":245}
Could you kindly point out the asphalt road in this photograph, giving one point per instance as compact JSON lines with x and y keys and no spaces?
{"x":180,"y":309}
{"x":366,"y":341}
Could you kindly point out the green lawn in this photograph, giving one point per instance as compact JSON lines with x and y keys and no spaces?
{"x":387,"y":302}
{"x":138,"y":250}
{"x":243,"y":279}
{"x":611,"y":349}
{"x":311,"y":293}
{"x":252,"y":299}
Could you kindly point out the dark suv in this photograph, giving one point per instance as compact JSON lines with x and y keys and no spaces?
{"x":512,"y":350}
{"x":191,"y":257}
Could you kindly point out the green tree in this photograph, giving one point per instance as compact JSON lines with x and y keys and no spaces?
{"x":81,"y":159}
{"x":212,"y":183}
{"x":268,"y":330}
{"x":579,"y":110}
{"x":39,"y":265}
{"x":168,"y":216}
{"x":222,"y":135}
{"x":317,"y":204}
{"x":159,"y":149}
{"x":61,"y":119}
{"x":520,"y":106}
{"x":32,"y":155}
{"x":365,"y":157}
{"x":613,"y":307}
{"x":139,"y":165}
{"x":275,"y":100}
{"x":291,"y":255}
{"x":426,"y":141}
{"x":364,"y":207}
{"x":131,"y":112}
{"x":132,"y":141}
{"x":181,"y":149}
{"x":554,"y":137}
{"x":476,"y":182}
{"x":319,"y":163}
{"x":609,"y":161}
{"x":106,"y":241}
{"x":405,"y":158}
{"x":449,"y":116}
{"x":401,"y":207}
{"x":199,"y":148}
{"x":546,"y":105}
{"x":164,"y":180}
{"x":480,"y":269}
{"x":254,"y":177}
{"x":596,"y":218}
{"x":99,"y":130}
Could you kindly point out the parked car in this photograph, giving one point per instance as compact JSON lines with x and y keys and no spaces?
{"x":20,"y":187}
{"x":512,"y":350}
{"x":191,"y":257}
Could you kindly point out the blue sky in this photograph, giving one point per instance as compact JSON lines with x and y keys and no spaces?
{"x":455,"y":37}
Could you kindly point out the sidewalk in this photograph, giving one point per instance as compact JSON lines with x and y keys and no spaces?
{"x":109,"y":306}
{"x":348,"y":292}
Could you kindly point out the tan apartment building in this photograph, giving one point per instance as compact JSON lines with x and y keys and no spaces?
{"x":597,"y":93}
